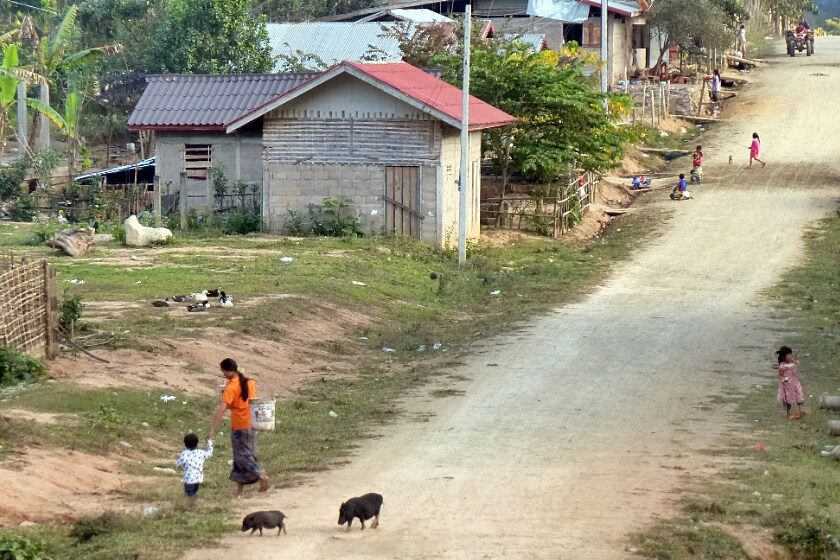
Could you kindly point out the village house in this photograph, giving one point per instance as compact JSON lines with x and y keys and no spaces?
{"x":384,"y":135}
{"x":631,"y":46}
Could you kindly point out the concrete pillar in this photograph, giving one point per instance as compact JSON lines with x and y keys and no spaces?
{"x":23,"y":137}
{"x":43,"y":142}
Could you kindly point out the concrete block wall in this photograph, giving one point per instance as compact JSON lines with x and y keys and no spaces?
{"x":290,"y":186}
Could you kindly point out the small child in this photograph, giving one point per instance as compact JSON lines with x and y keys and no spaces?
{"x":680,"y":192}
{"x":697,"y":160}
{"x":192,"y":461}
{"x":790,"y":389}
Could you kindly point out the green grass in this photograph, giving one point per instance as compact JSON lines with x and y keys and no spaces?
{"x":410,"y":309}
{"x":789,"y":488}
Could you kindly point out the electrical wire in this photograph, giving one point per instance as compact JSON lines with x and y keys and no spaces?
{"x":32,"y":7}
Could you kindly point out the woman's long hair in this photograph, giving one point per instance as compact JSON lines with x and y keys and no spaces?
{"x":229,"y":364}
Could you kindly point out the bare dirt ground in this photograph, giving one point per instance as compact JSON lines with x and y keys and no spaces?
{"x":585,"y":423}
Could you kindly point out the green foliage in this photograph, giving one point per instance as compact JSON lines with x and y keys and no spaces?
{"x":687,"y":21}
{"x":299,"y":61}
{"x":810,"y":537}
{"x":43,"y":163}
{"x":92,"y":526}
{"x":294,"y":223}
{"x":10,"y":179}
{"x":23,"y":209}
{"x":70,"y":311}
{"x":18,"y":368}
{"x":45,"y":231}
{"x":333,"y":218}
{"x":211,"y":36}
{"x":833,"y":25}
{"x":561,"y":124}
{"x":220,"y":185}
{"x":241,"y":223}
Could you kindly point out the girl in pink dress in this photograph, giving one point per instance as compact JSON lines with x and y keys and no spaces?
{"x":754,"y":148}
{"x":790,"y":389}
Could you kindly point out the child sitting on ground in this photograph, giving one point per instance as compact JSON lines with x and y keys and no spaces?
{"x":192,"y":461}
{"x":680,"y":192}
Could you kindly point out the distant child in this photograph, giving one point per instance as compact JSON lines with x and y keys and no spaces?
{"x":790,"y":389}
{"x":680,"y":192}
{"x":640,"y":182}
{"x":697,"y":161}
{"x":754,"y":149}
{"x":192,"y":461}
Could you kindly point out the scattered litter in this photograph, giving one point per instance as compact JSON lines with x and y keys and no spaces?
{"x":357,"y":283}
{"x":388,"y":350}
{"x":183,"y":402}
{"x":167,"y":398}
{"x":758,"y":447}
{"x":286,"y":259}
{"x":230,"y":461}
{"x":166,"y":470}
{"x":145,"y":424}
{"x":149,"y":511}
{"x":363,"y":338}
{"x":75,"y":281}
{"x":421,"y":348}
{"x":333,"y":414}
{"x":766,"y":473}
{"x":437,"y":346}
{"x":126,"y":444}
{"x":135,"y":258}
{"x":777,"y":496}
{"x":756,"y":493}
{"x":139,"y":282}
{"x":495,"y":292}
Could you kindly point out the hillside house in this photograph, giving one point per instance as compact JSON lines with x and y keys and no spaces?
{"x":385,"y":135}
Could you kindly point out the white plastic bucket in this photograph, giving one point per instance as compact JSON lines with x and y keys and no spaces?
{"x":262,"y":414}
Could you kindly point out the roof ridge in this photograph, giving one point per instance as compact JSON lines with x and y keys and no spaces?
{"x":257,"y":75}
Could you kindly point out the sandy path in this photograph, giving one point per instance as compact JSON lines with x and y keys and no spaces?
{"x":595,"y":416}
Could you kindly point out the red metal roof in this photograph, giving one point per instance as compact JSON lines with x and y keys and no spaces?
{"x":434,"y":92}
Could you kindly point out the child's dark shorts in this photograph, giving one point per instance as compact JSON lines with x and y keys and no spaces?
{"x":191,"y":490}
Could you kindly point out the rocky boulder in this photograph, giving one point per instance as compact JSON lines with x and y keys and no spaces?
{"x":138,"y":235}
{"x":73,"y":241}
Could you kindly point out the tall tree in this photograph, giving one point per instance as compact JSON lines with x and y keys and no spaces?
{"x":211,"y":36}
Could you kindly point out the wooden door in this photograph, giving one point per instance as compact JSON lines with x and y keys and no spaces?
{"x":402,"y":201}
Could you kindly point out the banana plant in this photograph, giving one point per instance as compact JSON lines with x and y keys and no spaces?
{"x":11,"y":74}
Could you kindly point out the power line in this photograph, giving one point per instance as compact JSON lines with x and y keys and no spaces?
{"x":32,"y":7}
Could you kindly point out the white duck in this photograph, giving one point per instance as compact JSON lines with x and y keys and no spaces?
{"x":199,"y":297}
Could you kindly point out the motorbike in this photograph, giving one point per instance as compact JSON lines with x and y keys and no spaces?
{"x":799,"y":40}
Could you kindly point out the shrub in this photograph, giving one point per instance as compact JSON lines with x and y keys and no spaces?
{"x":333,"y":218}
{"x":45,"y":231}
{"x":118,"y":231}
{"x":293,"y":224}
{"x":23,"y":209}
{"x":16,"y":367}
{"x":238,"y":222}
{"x":810,"y":537}
{"x":70,"y":311}
{"x":10,"y":179}
{"x":18,"y":547}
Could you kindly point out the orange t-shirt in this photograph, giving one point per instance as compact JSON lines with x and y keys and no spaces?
{"x":240,"y":411}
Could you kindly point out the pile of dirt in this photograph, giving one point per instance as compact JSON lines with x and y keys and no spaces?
{"x":608,"y":196}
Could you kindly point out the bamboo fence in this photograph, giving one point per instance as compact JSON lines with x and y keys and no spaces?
{"x":30,"y":306}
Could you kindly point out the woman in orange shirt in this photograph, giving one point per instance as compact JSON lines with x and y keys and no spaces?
{"x":236,"y":398}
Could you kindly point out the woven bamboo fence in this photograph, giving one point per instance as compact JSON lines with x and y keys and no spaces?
{"x":30,"y":306}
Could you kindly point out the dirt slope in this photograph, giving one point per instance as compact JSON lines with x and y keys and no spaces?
{"x":596,"y":413}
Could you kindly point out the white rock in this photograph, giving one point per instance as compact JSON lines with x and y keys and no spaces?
{"x":138,"y":235}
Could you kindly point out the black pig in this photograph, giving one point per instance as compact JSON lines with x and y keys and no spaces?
{"x":363,"y":507}
{"x":264,"y":519}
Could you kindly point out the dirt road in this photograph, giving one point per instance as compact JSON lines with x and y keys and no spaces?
{"x":596,"y":414}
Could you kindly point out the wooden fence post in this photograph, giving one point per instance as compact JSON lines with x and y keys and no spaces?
{"x":182,"y":201}
{"x":158,"y":201}
{"x":50,"y":312}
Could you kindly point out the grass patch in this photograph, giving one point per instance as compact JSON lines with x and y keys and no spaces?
{"x":411,"y":309}
{"x":789,"y":488}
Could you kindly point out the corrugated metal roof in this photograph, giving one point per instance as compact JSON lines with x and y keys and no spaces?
{"x":334,"y":42}
{"x":626,"y":9}
{"x":206,"y":101}
{"x":419,"y":15}
{"x":434,"y":92}
{"x":129,"y":167}
{"x":534,"y":40}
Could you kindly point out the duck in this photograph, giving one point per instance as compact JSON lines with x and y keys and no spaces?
{"x":199,"y":297}
{"x":201,"y":306}
{"x":214,"y":293}
{"x":160,"y":303}
{"x":177,"y":299}
{"x":225,"y":300}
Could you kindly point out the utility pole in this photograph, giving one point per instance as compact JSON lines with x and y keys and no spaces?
{"x":464,"y":178}
{"x":604,"y":55}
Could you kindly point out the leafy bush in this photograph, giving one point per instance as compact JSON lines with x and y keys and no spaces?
{"x":293,"y":224}
{"x":118,"y":231}
{"x":18,"y":547}
{"x":10,"y":179}
{"x":23,"y":209}
{"x":70,"y":311}
{"x":333,"y":218}
{"x":238,"y":222}
{"x":17,"y":368}
{"x":45,"y":231}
